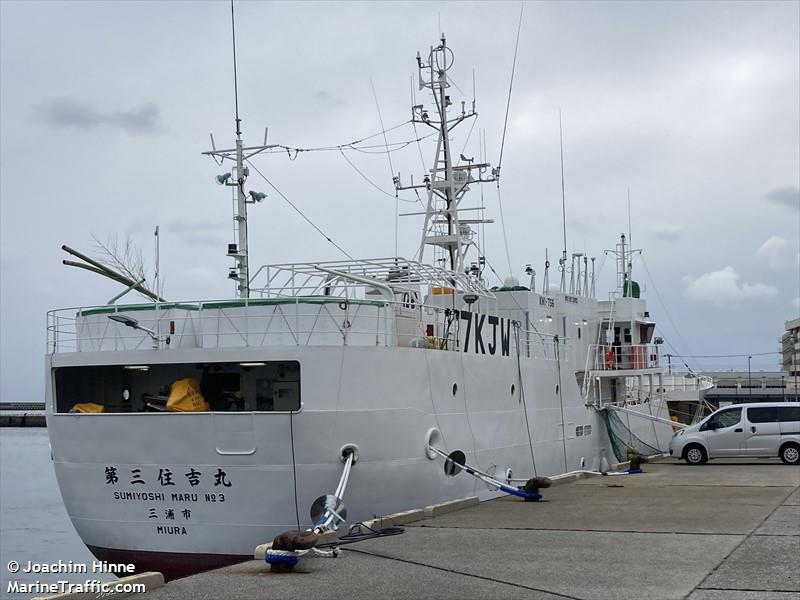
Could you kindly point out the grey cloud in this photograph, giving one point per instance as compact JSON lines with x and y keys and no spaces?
{"x":200,"y":239}
{"x":69,"y":112}
{"x":669,"y":233}
{"x":723,"y":288}
{"x":192,"y":226}
{"x":197,"y":233}
{"x":144,"y":119}
{"x":787,"y":195}
{"x":327,"y":98}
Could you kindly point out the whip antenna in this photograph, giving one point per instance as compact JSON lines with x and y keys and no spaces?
{"x":563,"y":201}
{"x":235,"y":80}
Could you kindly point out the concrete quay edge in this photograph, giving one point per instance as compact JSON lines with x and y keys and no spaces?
{"x":151,"y":580}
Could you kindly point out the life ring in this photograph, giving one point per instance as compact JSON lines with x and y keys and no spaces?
{"x":610,"y":358}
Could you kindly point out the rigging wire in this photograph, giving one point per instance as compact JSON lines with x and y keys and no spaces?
{"x":455,"y":85}
{"x":364,"y":149}
{"x":561,"y":401}
{"x":354,"y":145}
{"x":372,"y":183}
{"x":523,"y":400}
{"x":299,"y":212}
{"x":671,"y":345}
{"x":510,"y":87}
{"x":503,"y":141}
{"x":294,"y":468}
{"x":466,"y":141}
{"x":391,"y":167}
{"x":496,"y":274}
{"x":414,"y":124}
{"x":503,"y":224}
{"x":663,"y":305}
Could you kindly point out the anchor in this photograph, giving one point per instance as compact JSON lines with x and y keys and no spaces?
{"x":327,"y":513}
{"x":456,"y":461}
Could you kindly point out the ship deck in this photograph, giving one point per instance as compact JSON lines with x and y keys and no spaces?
{"x":729,"y":529}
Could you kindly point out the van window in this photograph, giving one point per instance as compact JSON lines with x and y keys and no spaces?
{"x":725,"y":418}
{"x":789,"y":413}
{"x":762,"y":414}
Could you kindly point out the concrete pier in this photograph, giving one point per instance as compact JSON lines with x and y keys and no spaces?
{"x":726,"y":530}
{"x":22,"y":419}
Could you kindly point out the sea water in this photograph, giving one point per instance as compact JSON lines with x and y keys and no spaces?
{"x":34,"y":526}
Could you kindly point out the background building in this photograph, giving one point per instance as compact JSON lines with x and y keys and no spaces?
{"x":756,"y":386}
{"x":790,"y":347}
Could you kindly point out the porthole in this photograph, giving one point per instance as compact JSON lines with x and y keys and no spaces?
{"x":513,"y":389}
{"x":455,"y":388}
{"x":556,"y":389}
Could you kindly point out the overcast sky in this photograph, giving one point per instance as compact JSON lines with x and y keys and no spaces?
{"x":106,"y":106}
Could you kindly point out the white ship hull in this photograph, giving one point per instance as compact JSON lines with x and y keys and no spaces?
{"x":383,"y":400}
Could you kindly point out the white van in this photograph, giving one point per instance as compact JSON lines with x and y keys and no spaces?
{"x":742,"y":430}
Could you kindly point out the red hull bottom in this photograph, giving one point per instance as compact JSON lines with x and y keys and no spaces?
{"x":172,"y":564}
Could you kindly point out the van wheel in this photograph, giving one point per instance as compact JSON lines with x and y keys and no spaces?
{"x":790,"y":454}
{"x":695,"y":454}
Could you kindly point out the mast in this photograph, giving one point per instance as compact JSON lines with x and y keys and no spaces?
{"x":240,"y":217}
{"x":624,"y":257}
{"x":446,"y":183}
{"x":238,"y":250}
{"x":442,"y":102}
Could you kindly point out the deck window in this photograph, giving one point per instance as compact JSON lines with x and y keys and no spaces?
{"x":226,"y":387}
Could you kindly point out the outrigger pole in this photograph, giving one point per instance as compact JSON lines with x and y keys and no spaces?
{"x":101,"y":269}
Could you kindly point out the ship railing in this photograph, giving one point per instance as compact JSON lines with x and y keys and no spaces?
{"x":222,"y":324}
{"x":543,"y":346}
{"x":638,"y":389}
{"x":687,"y":382}
{"x":298,"y":321}
{"x":350,"y":278}
{"x":611,"y":357}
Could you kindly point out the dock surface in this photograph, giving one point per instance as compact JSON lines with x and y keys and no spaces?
{"x":727,"y":530}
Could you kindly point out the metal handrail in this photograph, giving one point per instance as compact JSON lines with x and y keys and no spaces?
{"x":251,"y":323}
{"x":610,"y":357}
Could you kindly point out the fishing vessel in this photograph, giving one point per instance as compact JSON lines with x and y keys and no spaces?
{"x":186,"y":433}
